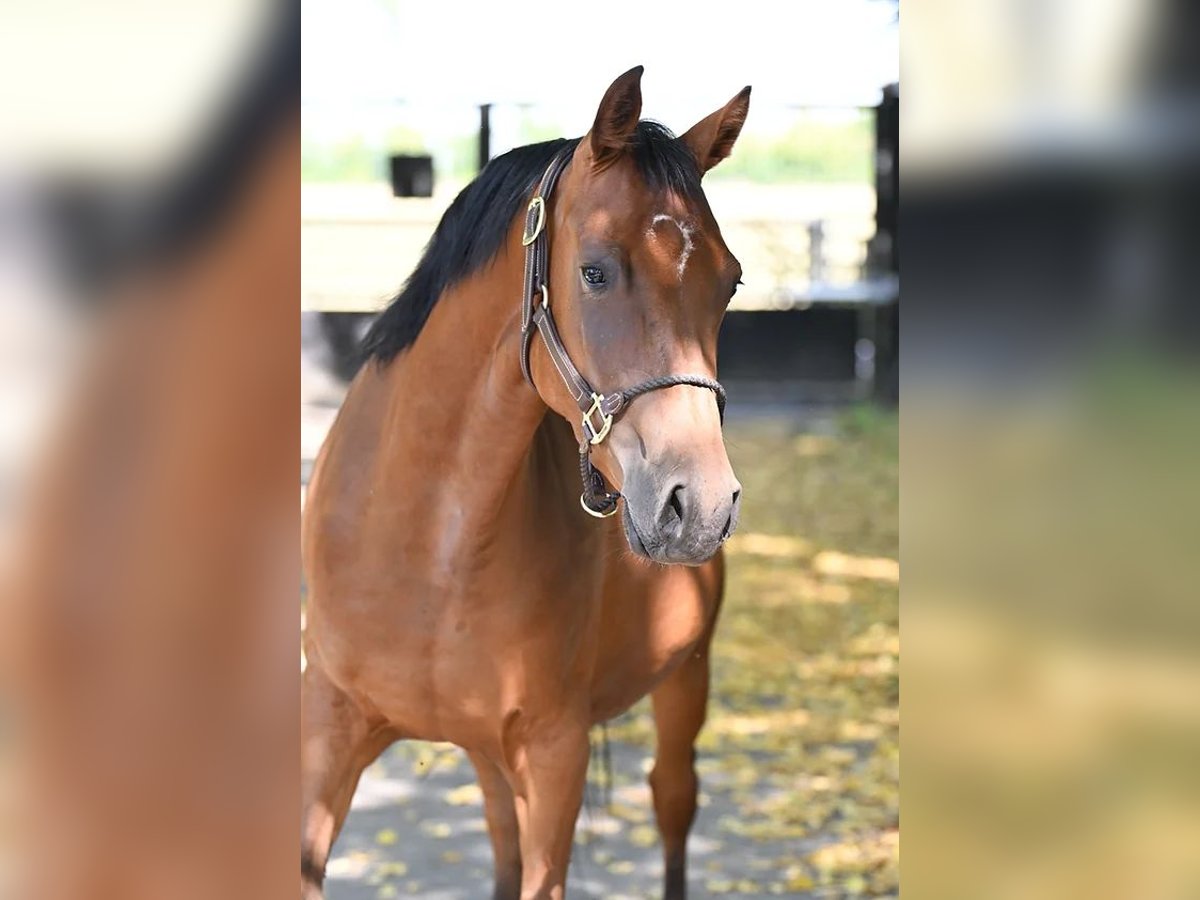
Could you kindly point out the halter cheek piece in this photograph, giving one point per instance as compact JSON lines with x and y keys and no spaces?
{"x":599,"y":410}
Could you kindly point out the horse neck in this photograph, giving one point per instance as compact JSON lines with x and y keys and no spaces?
{"x":458,"y":401}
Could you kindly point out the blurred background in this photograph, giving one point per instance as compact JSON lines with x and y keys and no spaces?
{"x":403,"y":103}
{"x":1051,"y":405}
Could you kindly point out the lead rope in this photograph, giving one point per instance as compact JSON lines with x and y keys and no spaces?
{"x":596,"y":499}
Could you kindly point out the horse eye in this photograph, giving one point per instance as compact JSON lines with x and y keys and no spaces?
{"x":593,"y":275}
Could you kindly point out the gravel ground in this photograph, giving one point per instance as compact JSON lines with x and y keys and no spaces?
{"x":416,"y":828}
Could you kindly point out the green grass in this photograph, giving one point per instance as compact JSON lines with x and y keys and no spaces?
{"x":815,"y":151}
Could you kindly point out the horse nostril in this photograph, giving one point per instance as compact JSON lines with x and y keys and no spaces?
{"x":675,"y":501}
{"x":728,"y":529}
{"x":731,"y":520}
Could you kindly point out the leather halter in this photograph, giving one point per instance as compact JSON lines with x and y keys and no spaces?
{"x":599,"y":410}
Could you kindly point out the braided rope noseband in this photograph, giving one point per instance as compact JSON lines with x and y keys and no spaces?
{"x":596,"y":499}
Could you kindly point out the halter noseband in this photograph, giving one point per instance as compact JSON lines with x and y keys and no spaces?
{"x":599,"y":410}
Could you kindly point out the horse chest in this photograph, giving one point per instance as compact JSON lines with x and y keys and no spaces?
{"x":651,"y":621}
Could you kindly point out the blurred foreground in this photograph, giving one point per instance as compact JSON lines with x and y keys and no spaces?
{"x":149,"y":265}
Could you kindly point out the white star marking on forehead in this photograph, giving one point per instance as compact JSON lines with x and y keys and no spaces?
{"x":684,"y":229}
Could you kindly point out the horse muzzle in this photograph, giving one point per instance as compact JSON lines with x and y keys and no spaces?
{"x":679,"y":517}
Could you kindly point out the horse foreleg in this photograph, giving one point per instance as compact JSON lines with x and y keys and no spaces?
{"x":336,"y":743}
{"x":680,"y":705}
{"x":501,"y":815}
{"x":548,"y":771}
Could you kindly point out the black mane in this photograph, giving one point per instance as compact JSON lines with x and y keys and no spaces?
{"x":473,"y":230}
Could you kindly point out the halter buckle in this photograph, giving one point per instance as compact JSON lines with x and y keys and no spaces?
{"x":530,"y":236}
{"x":597,"y":435}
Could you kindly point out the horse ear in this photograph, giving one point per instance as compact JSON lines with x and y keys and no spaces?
{"x":712,"y":138}
{"x":617,"y":118}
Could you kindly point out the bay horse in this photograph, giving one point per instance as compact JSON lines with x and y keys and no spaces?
{"x":457,"y":590}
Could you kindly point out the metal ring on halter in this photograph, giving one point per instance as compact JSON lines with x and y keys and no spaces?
{"x":591,"y":512}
